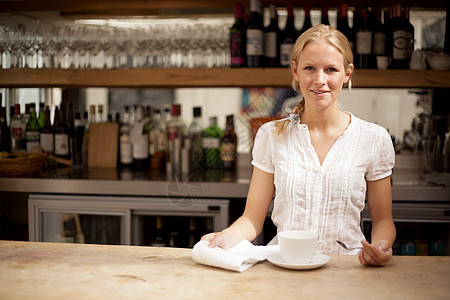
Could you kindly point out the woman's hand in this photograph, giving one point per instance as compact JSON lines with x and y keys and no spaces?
{"x":218,"y":239}
{"x":375,"y":254}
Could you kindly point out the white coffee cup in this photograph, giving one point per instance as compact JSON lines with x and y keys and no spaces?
{"x":299,"y":247}
{"x":383,"y":62}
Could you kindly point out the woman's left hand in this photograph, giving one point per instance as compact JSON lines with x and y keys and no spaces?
{"x":375,"y":254}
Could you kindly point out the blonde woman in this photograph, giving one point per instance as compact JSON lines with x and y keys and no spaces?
{"x":321,"y":162}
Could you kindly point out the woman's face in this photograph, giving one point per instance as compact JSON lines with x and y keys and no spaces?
{"x":321,"y":74}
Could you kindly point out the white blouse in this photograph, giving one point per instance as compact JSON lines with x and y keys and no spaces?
{"x":328,"y":198}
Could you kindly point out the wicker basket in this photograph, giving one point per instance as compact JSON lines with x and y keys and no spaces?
{"x":22,"y":163}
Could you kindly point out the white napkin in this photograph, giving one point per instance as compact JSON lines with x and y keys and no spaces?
{"x":238,"y":258}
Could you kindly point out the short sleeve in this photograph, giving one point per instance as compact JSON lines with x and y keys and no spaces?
{"x":263,"y":148}
{"x":383,"y":158}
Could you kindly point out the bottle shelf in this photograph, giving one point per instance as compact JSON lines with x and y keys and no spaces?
{"x":219,"y":77}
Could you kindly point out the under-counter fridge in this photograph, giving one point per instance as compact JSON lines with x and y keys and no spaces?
{"x":156,"y":221}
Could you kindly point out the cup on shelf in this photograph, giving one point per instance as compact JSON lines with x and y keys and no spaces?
{"x":383,"y":62}
{"x":299,"y":247}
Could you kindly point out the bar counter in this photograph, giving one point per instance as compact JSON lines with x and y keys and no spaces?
{"x":406,"y":185}
{"x":30,"y":270}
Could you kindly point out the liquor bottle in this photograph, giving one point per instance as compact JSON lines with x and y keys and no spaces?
{"x":238,"y":38}
{"x":100,"y":118}
{"x":5,"y":142}
{"x":195,"y":136}
{"x":255,"y":36}
{"x":125,"y":147}
{"x":139,"y":140}
{"x":324,"y":18}
{"x":211,"y":138}
{"x":26,"y":115}
{"x":307,"y":22}
{"x":271,"y":37}
{"x":363,"y":42}
{"x":342,"y":23}
{"x":288,"y":38}
{"x":18,"y":141}
{"x":41,"y":115}
{"x":92,"y":116}
{"x":32,"y":130}
{"x":379,"y":34}
{"x":229,"y":145}
{"x":158,"y":141}
{"x":47,"y":134}
{"x":401,"y":40}
{"x":175,"y":137}
{"x":62,"y":142}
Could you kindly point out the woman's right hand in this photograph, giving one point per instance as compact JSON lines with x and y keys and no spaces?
{"x":217,"y":239}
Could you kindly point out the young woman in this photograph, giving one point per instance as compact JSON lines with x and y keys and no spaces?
{"x":322,"y":163}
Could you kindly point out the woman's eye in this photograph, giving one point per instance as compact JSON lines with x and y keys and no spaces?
{"x":309,"y":68}
{"x":332,"y":70}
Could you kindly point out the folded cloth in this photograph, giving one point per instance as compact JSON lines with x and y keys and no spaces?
{"x":238,"y":258}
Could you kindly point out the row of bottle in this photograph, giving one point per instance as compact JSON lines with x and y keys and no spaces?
{"x":148,"y":138}
{"x":62,"y":138}
{"x":254,"y":45}
{"x":162,"y":140}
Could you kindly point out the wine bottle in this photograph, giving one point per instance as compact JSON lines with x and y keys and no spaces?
{"x":5,"y":142}
{"x":229,"y":145}
{"x":447,"y":31}
{"x":254,"y":36}
{"x":401,"y":40}
{"x":379,"y":34}
{"x":324,"y":18}
{"x":363,"y":45}
{"x":158,"y":141}
{"x":41,"y":115}
{"x":77,"y":141}
{"x":47,"y":134}
{"x":342,"y":23}
{"x":175,"y":136}
{"x":32,"y":130}
{"x":288,"y":38}
{"x":271,"y":38}
{"x":139,"y":141}
{"x":307,"y":22}
{"x":125,"y":147}
{"x":62,"y":144}
{"x":195,"y":136}
{"x":18,"y":141}
{"x":238,"y":38}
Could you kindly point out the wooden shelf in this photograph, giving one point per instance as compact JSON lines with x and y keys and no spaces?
{"x":219,"y":77}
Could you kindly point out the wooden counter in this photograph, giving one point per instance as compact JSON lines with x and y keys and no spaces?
{"x":72,"y":271}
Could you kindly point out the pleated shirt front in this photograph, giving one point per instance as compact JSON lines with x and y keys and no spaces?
{"x":328,"y":198}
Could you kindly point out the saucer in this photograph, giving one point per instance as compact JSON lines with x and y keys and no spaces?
{"x":317,"y":261}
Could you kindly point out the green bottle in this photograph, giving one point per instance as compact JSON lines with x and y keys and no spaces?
{"x":41,"y":118}
{"x":32,"y":130}
{"x":211,"y":145}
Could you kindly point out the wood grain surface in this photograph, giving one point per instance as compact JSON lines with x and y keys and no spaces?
{"x":72,"y":271}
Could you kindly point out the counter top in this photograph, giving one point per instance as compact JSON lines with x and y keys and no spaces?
{"x":407,"y":184}
{"x":75,"y":271}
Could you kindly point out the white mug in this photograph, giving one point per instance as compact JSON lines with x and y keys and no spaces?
{"x":383,"y":62}
{"x":299,"y":247}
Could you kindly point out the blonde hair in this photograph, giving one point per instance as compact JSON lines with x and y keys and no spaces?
{"x":316,"y":34}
